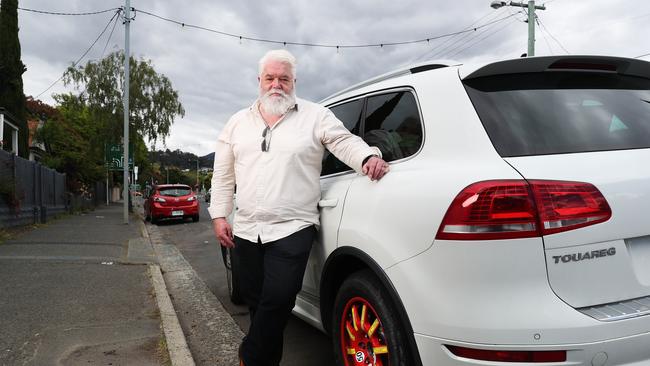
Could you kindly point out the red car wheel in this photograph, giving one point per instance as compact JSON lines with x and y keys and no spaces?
{"x":365,"y":324}
{"x":362,"y":335}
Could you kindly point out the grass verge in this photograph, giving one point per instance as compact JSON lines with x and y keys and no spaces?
{"x":163,"y":352}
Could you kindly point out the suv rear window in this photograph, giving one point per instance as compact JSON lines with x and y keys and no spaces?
{"x":175,"y":192}
{"x":393,"y":125}
{"x":391,"y":122}
{"x":562,"y":112}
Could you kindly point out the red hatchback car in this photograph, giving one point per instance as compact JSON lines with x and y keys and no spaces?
{"x":169,"y":201}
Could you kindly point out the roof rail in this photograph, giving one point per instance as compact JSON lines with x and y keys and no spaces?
{"x":411,"y":69}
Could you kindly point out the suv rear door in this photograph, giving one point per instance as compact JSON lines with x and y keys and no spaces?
{"x":584,"y":120}
{"x":376,"y":219}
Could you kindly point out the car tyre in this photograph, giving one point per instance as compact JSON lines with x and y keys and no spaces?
{"x":365,"y":326}
{"x":232,"y":275}
{"x":154,"y":220}
{"x":195,"y":218}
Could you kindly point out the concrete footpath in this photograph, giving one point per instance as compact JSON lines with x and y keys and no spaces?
{"x":87,"y":289}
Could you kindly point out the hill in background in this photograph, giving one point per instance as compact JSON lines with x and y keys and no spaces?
{"x":181,"y":159}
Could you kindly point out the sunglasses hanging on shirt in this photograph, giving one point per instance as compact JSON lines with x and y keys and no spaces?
{"x":266,"y":142}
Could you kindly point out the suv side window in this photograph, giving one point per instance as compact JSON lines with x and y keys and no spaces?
{"x":393,"y":125}
{"x":350,"y":114}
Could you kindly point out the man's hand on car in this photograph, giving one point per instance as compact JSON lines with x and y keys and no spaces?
{"x":375,"y":168}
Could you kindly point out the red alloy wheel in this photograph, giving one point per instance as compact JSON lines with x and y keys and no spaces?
{"x":362,"y":335}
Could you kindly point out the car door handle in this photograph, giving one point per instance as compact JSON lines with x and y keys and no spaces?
{"x":328,"y":203}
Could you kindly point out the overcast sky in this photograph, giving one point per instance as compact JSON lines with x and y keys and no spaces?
{"x":215,"y":75}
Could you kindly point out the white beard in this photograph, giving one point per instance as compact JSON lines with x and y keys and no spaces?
{"x":277,"y":106}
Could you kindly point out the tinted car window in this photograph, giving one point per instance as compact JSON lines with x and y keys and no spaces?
{"x":175,"y":192}
{"x":393,"y":125}
{"x":554,"y":113}
{"x":350,"y":114}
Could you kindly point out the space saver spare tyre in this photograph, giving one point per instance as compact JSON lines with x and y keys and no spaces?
{"x":364,"y":325}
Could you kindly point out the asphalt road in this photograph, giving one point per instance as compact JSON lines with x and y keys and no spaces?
{"x":304,"y":345}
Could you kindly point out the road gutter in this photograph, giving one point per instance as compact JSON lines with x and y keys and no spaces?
{"x":179,"y":352}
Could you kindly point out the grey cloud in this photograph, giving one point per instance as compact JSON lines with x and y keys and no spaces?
{"x":216,"y":75}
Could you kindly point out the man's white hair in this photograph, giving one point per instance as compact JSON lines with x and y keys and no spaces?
{"x":280,"y":55}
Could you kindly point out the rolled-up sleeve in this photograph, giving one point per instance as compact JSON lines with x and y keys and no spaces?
{"x":223,"y":176}
{"x":346,"y":146}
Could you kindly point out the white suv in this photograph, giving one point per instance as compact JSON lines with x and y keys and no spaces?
{"x":511,"y":227}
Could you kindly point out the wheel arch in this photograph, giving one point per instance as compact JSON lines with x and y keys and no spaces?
{"x":343,"y":262}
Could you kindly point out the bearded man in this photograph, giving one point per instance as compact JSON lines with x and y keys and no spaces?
{"x":273,"y":151}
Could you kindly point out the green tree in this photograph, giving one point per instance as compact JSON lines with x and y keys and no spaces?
{"x":73,"y":143}
{"x":142,"y":161}
{"x":12,"y":97}
{"x":153,"y":103}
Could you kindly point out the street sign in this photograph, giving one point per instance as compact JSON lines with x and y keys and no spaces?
{"x":115,"y":157}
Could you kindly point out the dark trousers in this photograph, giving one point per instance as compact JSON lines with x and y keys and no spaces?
{"x":270,"y":277}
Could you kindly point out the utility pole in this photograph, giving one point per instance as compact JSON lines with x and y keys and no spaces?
{"x":531,"y":19}
{"x":127,"y":56}
{"x":197,"y":175}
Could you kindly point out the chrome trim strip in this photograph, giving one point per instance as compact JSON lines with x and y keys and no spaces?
{"x":618,"y":310}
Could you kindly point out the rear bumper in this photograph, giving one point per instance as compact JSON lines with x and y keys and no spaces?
{"x":161,"y":212}
{"x":496,"y":296}
{"x":628,"y":351}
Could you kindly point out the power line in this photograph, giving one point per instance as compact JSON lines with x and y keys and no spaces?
{"x":456,"y":48}
{"x":462,"y":42}
{"x":322,"y":45}
{"x":446,"y":42}
{"x":451,"y":41}
{"x":487,"y":35}
{"x":72,"y":14}
{"x":548,"y":45}
{"x":449,"y":36}
{"x":539,"y":21}
{"x":110,"y":35}
{"x":117,"y":12}
{"x":544,"y":36}
{"x":241,"y":37}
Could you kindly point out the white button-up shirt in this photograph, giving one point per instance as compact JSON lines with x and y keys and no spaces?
{"x":278,"y":190}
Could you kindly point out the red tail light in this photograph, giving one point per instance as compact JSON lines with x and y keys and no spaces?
{"x":507,"y":209}
{"x":566,"y":206}
{"x":508,"y":356}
